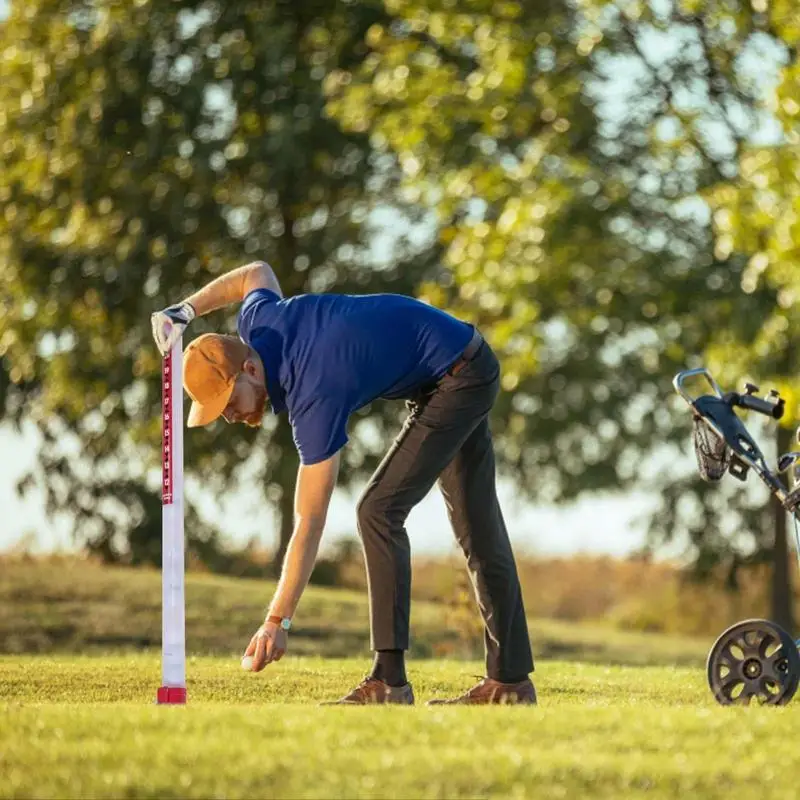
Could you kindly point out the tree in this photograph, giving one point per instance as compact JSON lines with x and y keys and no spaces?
{"x":575,"y":226}
{"x":715,"y":101}
{"x":572,"y":224}
{"x":147,"y":147}
{"x":485,"y":106}
{"x":756,"y":221}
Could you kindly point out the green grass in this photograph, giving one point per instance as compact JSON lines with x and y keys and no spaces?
{"x":87,"y":727}
{"x":74,"y":606}
{"x":620,"y":715}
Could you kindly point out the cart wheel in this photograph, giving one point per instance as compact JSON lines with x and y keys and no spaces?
{"x":754,"y":659}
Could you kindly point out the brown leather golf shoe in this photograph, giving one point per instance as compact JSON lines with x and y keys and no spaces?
{"x":492,"y":692}
{"x":371,"y":691}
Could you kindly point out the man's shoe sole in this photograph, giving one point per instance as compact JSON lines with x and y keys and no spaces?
{"x":350,"y":703}
{"x":406,"y":699}
{"x":508,"y":700}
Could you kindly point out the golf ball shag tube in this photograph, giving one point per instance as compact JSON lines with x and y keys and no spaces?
{"x":172,"y":571}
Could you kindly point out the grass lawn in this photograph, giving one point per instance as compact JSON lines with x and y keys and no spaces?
{"x":86,"y":726}
{"x":76,"y":606}
{"x":621,"y":714}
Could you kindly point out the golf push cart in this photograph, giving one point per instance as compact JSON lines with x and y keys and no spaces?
{"x":755,"y":659}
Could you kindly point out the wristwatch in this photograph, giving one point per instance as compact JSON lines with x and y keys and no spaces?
{"x":283,"y":622}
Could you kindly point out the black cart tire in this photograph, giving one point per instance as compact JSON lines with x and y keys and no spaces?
{"x":754,"y":660}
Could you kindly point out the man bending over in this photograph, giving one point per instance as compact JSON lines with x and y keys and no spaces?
{"x":320,"y":357}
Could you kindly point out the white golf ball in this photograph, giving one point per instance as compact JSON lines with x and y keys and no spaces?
{"x":247,"y":663}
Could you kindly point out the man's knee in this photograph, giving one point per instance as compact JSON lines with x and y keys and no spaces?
{"x":365,"y":513}
{"x":377,"y":513}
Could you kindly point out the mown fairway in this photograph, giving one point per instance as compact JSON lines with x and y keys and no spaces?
{"x":86,"y":727}
{"x":621,"y":714}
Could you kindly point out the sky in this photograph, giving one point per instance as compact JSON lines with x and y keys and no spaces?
{"x":533,"y":530}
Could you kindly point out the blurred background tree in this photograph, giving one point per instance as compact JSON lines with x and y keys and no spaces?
{"x":148,"y":147}
{"x":714,"y":76}
{"x":755,"y":222}
{"x":570,"y":151}
{"x":593,"y":183}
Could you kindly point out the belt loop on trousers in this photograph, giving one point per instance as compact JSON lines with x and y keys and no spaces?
{"x":470,"y":351}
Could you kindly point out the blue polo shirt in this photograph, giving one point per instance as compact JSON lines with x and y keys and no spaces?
{"x":327,"y":355}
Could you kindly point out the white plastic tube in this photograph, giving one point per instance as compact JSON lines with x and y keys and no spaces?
{"x":173,"y":640}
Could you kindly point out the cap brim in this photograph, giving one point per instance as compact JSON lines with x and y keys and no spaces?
{"x":206,"y":413}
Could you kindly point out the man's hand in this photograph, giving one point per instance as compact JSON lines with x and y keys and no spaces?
{"x":169,"y":325}
{"x":232,"y":287}
{"x":268,"y":644}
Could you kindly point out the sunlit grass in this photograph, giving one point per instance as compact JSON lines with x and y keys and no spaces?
{"x":87,"y":727}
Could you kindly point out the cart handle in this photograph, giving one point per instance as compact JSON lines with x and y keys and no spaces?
{"x":748,"y":401}
{"x":682,"y":377}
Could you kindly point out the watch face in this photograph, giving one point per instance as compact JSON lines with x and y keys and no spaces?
{"x":286,"y":624}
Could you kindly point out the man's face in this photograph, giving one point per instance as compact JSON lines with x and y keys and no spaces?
{"x":247,"y":401}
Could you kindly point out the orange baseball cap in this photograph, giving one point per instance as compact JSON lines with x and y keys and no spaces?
{"x":211,"y":364}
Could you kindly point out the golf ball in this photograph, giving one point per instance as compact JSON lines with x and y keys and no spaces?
{"x":247,"y":663}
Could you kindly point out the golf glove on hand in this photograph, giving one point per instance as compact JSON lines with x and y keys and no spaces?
{"x":169,"y":325}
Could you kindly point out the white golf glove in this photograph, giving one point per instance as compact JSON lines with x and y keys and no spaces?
{"x":169,"y":325}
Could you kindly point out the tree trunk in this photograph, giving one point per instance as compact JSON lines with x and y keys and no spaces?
{"x":782,"y":611}
{"x":285,"y":476}
{"x":286,"y":526}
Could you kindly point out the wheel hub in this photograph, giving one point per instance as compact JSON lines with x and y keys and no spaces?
{"x":752,"y":669}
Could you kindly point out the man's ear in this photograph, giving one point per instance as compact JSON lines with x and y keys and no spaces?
{"x":250,"y":368}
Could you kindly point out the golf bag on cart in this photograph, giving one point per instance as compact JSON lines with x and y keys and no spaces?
{"x":754,"y":660}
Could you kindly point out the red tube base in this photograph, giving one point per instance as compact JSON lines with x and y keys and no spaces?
{"x":171,"y":695}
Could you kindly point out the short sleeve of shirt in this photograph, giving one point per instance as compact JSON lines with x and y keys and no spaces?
{"x":319,"y":430}
{"x":254,"y":312}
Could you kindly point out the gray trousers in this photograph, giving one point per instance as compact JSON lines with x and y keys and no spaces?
{"x":446,"y":437}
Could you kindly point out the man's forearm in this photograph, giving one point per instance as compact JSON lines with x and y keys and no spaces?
{"x":232,"y":287}
{"x":298,"y":565}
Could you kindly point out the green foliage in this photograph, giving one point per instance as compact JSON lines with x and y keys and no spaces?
{"x":148,"y":147}
{"x":712,"y":103}
{"x":561,"y":216}
{"x":749,"y":191}
{"x":574,"y":212}
{"x":593,"y":178}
